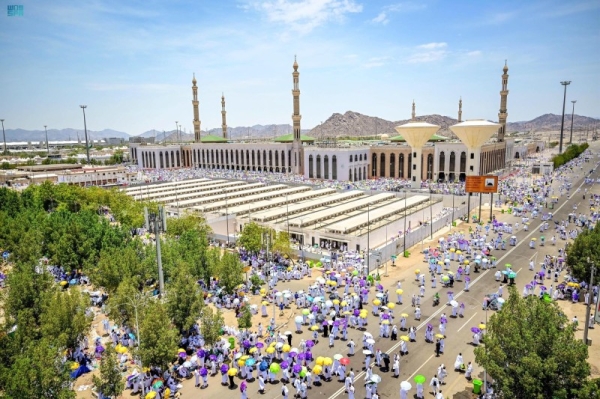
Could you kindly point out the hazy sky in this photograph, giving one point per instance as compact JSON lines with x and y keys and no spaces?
{"x":131,"y":62}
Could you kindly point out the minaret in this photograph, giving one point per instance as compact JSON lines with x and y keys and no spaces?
{"x":196,"y":112}
{"x":460,"y":110}
{"x":297,"y":152}
{"x":503,"y":114}
{"x":414,"y":113}
{"x":223,"y":117}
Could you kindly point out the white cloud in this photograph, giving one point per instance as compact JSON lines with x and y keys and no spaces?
{"x":475,"y":53}
{"x":375,"y":62}
{"x":305,"y":15}
{"x":381,"y":19}
{"x":433,"y":46}
{"x":383,"y":16}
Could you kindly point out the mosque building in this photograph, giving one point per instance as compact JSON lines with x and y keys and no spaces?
{"x":441,"y":160}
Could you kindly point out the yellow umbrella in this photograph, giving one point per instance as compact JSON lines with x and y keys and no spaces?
{"x":482,"y":326}
{"x":399,"y":291}
{"x":241,"y":363}
{"x":405,"y":338}
{"x":181,"y":350}
{"x":314,"y":328}
{"x":440,"y":263}
{"x":263,"y":291}
{"x":270,"y":350}
{"x":264,"y":303}
{"x":385,"y":322}
{"x":336,"y":301}
{"x":466,"y":262}
{"x":376,"y":302}
{"x":286,"y":348}
{"x":451,"y":273}
{"x":452,"y":249}
{"x":150,"y":395}
{"x":534,"y":239}
{"x":343,"y":303}
{"x":232,"y":372}
{"x":327,"y":361}
{"x":245,"y":357}
{"x":439,"y":336}
{"x":319,"y":360}
{"x":317,"y":370}
{"x":63,"y":283}
{"x":347,"y":312}
{"x":417,"y":271}
{"x":391,"y":305}
{"x":252,"y":350}
{"x":459,"y":252}
{"x":272,"y":344}
{"x":74,"y":366}
{"x":404,"y":315}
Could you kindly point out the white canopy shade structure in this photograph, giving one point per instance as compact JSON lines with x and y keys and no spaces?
{"x":416,"y":135}
{"x":474,"y":133}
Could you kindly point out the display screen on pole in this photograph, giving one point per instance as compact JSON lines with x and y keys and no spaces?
{"x":481,"y":184}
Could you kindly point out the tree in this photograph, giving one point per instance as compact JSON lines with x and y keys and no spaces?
{"x":211,"y":323}
{"x":230,"y":272}
{"x":110,"y":383}
{"x":123,"y":302}
{"x":585,"y":246}
{"x":158,"y":338}
{"x":245,"y":317}
{"x":184,"y":300}
{"x":65,"y":318}
{"x":251,"y":237}
{"x":187,"y":222}
{"x":531,"y":352}
{"x":282,"y":244}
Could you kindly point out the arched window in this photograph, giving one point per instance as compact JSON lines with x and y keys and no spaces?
{"x":392,"y":165}
{"x":253,"y":160}
{"x":410,"y":165}
{"x":350,"y":158}
{"x":351,"y":175}
{"x":360,"y":174}
{"x":276,"y":158}
{"x":452,"y":162}
{"x":374,"y":166}
{"x":442,"y":165}
{"x":382,"y":165}
{"x":310,"y":167}
{"x":334,"y":167}
{"x":160,"y":157}
{"x":401,"y":166}
{"x":318,"y":166}
{"x":430,"y":166}
{"x":463,"y":162}
{"x":326,"y":167}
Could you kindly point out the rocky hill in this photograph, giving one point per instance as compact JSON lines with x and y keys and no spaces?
{"x":549,"y":122}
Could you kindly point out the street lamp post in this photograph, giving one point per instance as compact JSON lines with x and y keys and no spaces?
{"x":572,"y":117}
{"x":368,"y":238}
{"x":47,"y":146}
{"x":430,"y":214}
{"x":227,"y":218}
{"x":562,"y":122}
{"x":404,"y":233}
{"x":157,"y":222}
{"x":3,"y":135}
{"x":176,"y":129}
{"x":589,"y":304}
{"x":87,"y":145}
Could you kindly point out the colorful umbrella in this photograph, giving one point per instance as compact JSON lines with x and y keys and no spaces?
{"x":420,"y":379}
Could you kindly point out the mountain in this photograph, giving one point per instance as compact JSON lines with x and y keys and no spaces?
{"x":358,"y":125}
{"x":60,"y":135}
{"x":549,"y":122}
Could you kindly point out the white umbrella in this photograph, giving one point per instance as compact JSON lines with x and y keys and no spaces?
{"x":379,"y":295}
{"x":278,"y":294}
{"x":376,"y":378}
{"x":454,"y":304}
{"x":289,"y":332}
{"x":367,"y":352}
{"x":328,"y":303}
{"x":236,"y":301}
{"x":368,"y":334}
{"x":287,"y":295}
{"x":370,"y":341}
{"x":279,"y":345}
{"x":405,"y":386}
{"x":297,"y":319}
{"x":237,"y":355}
{"x":320,"y":280}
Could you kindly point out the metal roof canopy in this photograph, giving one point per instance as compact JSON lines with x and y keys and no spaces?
{"x":340,"y":209}
{"x":177,"y":189}
{"x":309,"y":205}
{"x":261,"y":205}
{"x":230,"y":195}
{"x":373,"y":216}
{"x":176,"y":195}
{"x":158,"y":186}
{"x":252,"y":198}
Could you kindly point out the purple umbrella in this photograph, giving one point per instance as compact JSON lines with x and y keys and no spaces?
{"x":297,"y":368}
{"x":301,"y":356}
{"x":224,"y":368}
{"x":201,"y":353}
{"x":260,"y":345}
{"x":285,"y":364}
{"x":542,"y":273}
{"x":246,"y":343}
{"x":203,"y":371}
{"x":356,"y":312}
{"x":310,"y":343}
{"x":467,"y":278}
{"x":212,"y":357}
{"x":475,"y":330}
{"x":243,"y":386}
{"x":99,"y":349}
{"x":450,"y":293}
{"x":364,"y":291}
{"x":308,"y":355}
{"x":561,"y":286}
{"x":336,"y":323}
{"x":528,"y":286}
{"x":380,"y":287}
{"x":293,"y":354}
{"x":543,"y":288}
{"x":182,"y":355}
{"x":315,"y":308}
{"x":361,"y":283}
{"x":325,"y":323}
{"x":429,"y":325}
{"x":386,"y":316}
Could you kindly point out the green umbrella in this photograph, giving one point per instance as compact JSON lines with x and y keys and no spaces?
{"x":512,"y":275}
{"x":275,"y":368}
{"x":420,"y":379}
{"x":157,"y":384}
{"x":355,"y":272}
{"x":445,"y":278}
{"x":508,"y":265}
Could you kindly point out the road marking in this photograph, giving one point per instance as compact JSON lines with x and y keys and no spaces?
{"x":417,"y":370}
{"x":463,"y":326}
{"x":393,"y":348}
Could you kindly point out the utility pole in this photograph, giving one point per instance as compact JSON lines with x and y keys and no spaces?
{"x":562,"y":123}
{"x":368,"y":238}
{"x":158,"y":223}
{"x":47,"y":147}
{"x":572,"y":116}
{"x":87,"y":145}
{"x":589,"y":304}
{"x":3,"y":135}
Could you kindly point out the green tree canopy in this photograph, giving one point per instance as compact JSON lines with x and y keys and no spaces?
{"x":110,"y":382}
{"x":251,"y":237}
{"x":585,"y":246}
{"x":211,"y":323}
{"x":184,"y":300}
{"x":282,"y":244}
{"x":230,"y":272}
{"x":245,"y":317}
{"x":158,"y":338}
{"x":531,"y":352}
{"x":64,"y":317}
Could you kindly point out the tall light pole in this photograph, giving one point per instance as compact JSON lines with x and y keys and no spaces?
{"x":176,"y":129}
{"x":404,"y":234}
{"x":3,"y":135}
{"x":562,"y":123}
{"x":589,"y":304}
{"x":572,"y":117}
{"x":368,"y":237}
{"x":47,"y":147}
{"x":87,"y":146}
{"x":179,"y":133}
